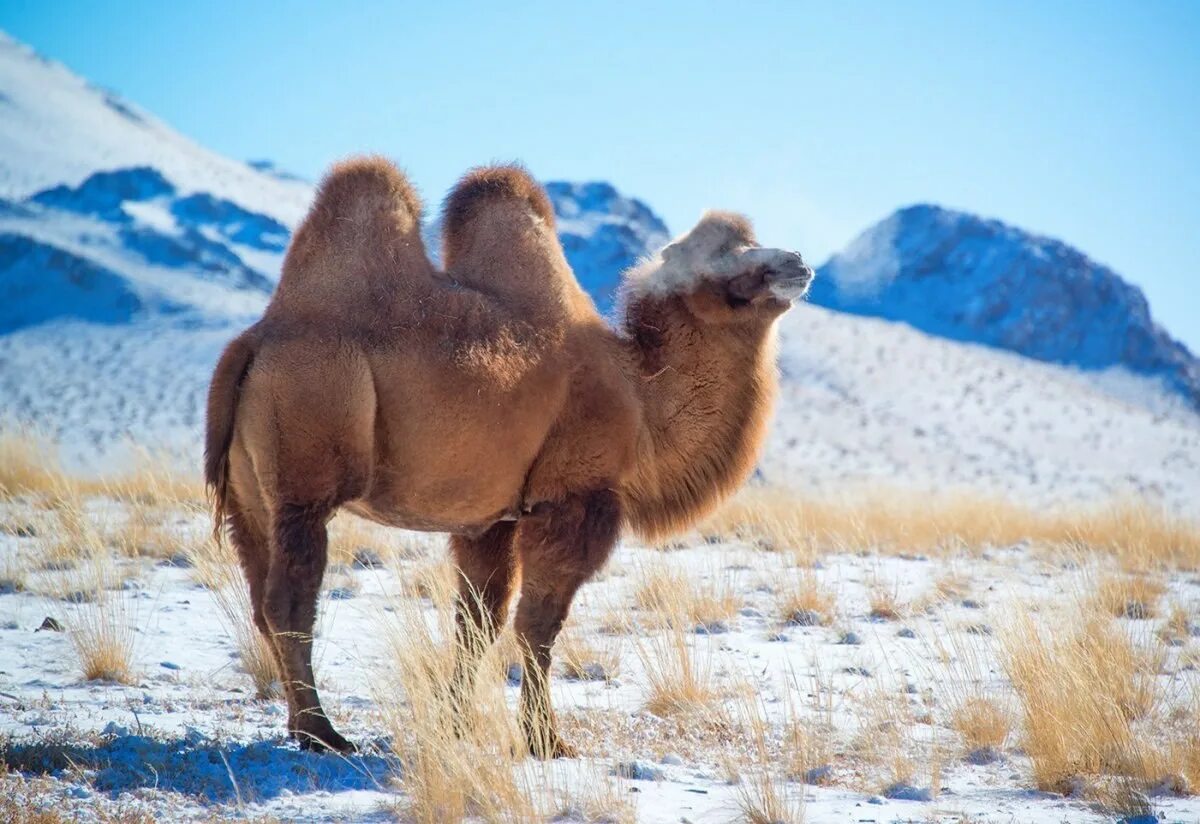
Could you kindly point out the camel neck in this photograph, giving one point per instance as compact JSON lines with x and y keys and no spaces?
{"x":706,"y":395}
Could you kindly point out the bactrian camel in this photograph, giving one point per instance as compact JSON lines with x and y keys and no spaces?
{"x":488,"y":400}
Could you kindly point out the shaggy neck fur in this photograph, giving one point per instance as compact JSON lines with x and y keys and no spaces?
{"x":707,"y":395}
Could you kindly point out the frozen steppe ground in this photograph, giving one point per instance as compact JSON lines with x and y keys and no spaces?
{"x":858,"y":662}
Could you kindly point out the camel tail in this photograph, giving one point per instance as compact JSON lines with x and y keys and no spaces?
{"x":218,"y":435}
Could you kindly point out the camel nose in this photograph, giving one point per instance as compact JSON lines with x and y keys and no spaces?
{"x":791,"y":277}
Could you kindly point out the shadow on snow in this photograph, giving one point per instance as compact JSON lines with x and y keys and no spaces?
{"x":211,"y":771}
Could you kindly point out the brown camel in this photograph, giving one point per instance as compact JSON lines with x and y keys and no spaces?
{"x":489,"y":401}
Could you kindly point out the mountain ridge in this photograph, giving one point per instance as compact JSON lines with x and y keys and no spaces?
{"x":973,"y":279}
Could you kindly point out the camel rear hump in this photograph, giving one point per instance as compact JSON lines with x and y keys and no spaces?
{"x":363,"y":232}
{"x":499,"y":235}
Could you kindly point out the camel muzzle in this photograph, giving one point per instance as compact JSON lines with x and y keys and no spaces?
{"x":790,"y":278}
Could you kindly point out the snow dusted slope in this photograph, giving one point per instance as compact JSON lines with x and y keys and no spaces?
{"x":966,"y":278}
{"x":866,"y":400}
{"x":59,"y":129}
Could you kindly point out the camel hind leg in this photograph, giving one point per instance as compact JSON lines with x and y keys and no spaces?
{"x":254,"y":553}
{"x":307,"y":425}
{"x":299,"y":550}
{"x":487,"y":570}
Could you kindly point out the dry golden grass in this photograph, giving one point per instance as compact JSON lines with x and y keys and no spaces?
{"x":1141,"y":535}
{"x":764,"y":794}
{"x":588,"y":658}
{"x":340,"y":582}
{"x":36,"y":800}
{"x":884,"y":601}
{"x":143,"y":535}
{"x":674,"y":596}
{"x":949,"y":586}
{"x":1090,"y":708}
{"x":69,"y":538}
{"x":153,"y":480}
{"x":14,"y":568}
{"x":435,"y":580}
{"x":355,"y":542}
{"x":28,"y":464}
{"x":883,"y":740}
{"x":102,"y":629}
{"x":447,"y":773}
{"x":679,"y":681}
{"x":982,"y":722}
{"x":457,"y":760}
{"x":1129,"y":596}
{"x":1177,"y":629}
{"x":801,"y":599}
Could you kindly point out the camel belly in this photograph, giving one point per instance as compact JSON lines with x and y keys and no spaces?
{"x":453,"y":451}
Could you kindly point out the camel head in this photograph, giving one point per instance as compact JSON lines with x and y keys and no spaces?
{"x":722,"y":274}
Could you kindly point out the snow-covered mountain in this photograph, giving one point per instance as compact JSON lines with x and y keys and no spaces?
{"x":603,"y":234}
{"x":962,"y":277}
{"x":108,"y":215}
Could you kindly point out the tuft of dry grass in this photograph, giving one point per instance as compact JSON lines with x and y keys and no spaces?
{"x":764,"y":794}
{"x":884,"y":600}
{"x":355,"y":542}
{"x":70,"y":538}
{"x":1088,"y":700}
{"x":982,"y":722}
{"x":800,"y":599}
{"x":886,"y":742}
{"x":13,"y":572}
{"x":1129,"y":596}
{"x":1178,"y":627}
{"x":142,"y":535}
{"x":437,"y":581}
{"x":215,"y":566}
{"x":679,"y":682}
{"x":457,"y":755}
{"x":584,"y":658}
{"x":154,"y":480}
{"x":704,"y":599}
{"x":1139,"y":534}
{"x":102,"y":631}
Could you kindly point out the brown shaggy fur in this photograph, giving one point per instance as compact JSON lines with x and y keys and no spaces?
{"x":489,"y":401}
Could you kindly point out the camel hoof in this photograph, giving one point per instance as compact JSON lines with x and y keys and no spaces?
{"x":328,"y":741}
{"x":556,"y":749}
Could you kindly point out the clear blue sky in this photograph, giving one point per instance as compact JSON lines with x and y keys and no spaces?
{"x":1079,"y":120}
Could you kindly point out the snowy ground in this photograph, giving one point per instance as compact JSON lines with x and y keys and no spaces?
{"x":188,"y":739}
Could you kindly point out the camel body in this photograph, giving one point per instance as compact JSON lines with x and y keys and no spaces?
{"x":489,"y":401}
{"x":449,"y":432}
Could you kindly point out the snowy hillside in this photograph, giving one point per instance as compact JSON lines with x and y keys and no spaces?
{"x":603,"y":234}
{"x":59,"y":129}
{"x":866,"y":400}
{"x":965,"y":278}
